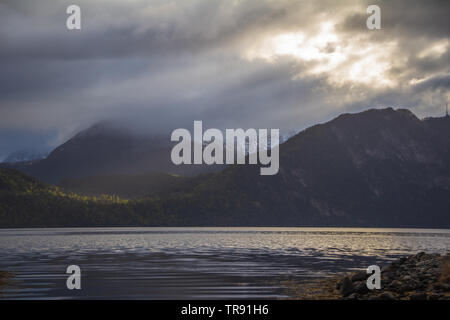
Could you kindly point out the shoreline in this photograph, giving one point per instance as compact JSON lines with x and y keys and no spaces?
{"x":416,"y":277}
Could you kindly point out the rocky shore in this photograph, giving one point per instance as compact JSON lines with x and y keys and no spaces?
{"x":417,"y":277}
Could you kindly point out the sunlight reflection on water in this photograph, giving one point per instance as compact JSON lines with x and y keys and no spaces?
{"x":176,"y":263}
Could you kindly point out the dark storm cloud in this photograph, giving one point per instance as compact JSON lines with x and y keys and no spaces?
{"x":120,"y":29}
{"x":162,"y":64}
{"x":413,"y":17}
{"x":441,"y":82}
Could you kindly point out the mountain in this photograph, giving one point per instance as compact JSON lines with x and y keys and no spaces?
{"x":27,"y":202}
{"x":377,"y":168}
{"x":374,"y":168}
{"x":25,"y":156}
{"x":129,"y":186}
{"x":108,"y":149}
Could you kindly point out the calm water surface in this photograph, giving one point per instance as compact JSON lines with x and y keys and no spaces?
{"x":195,"y":263}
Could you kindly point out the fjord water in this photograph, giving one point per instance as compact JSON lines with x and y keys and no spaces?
{"x":196,"y":263}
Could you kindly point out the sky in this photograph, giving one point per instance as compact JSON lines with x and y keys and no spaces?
{"x":157,"y":65}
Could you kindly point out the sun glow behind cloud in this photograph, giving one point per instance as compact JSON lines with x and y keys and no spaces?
{"x":229,"y":62}
{"x":326,"y":53}
{"x":435,"y":50}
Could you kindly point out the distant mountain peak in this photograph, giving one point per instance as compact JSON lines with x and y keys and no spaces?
{"x":103,"y":128}
{"x":377,"y":114}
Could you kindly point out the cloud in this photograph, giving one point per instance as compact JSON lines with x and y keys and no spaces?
{"x":161,"y":64}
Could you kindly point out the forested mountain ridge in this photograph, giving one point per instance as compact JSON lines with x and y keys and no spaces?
{"x":26,"y":202}
{"x":378,"y":168}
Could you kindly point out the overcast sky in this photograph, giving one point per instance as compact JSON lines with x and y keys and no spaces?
{"x":160,"y":64}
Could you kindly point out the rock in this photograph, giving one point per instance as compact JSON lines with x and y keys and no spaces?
{"x":435,"y":296}
{"x":425,"y":264}
{"x":418,"y":296}
{"x":406,"y":278}
{"x":410,"y":285}
{"x":416,"y":277}
{"x":353,"y":296}
{"x":347,"y":287}
{"x":395,"y":286}
{"x":420,"y":255}
{"x":424,"y":276}
{"x":425,"y":257}
{"x":387,"y":296}
{"x":359,"y":276}
{"x":361,"y":287}
{"x":438,"y":287}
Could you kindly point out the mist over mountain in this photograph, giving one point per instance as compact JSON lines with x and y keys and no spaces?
{"x":25,"y":155}
{"x":377,"y":168}
{"x":107,"y":148}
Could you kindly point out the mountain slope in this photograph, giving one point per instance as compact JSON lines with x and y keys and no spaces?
{"x":26,"y":202}
{"x":25,"y":156}
{"x":128,"y":186}
{"x":375,"y":168}
{"x":378,"y":168}
{"x":106,"y":149}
